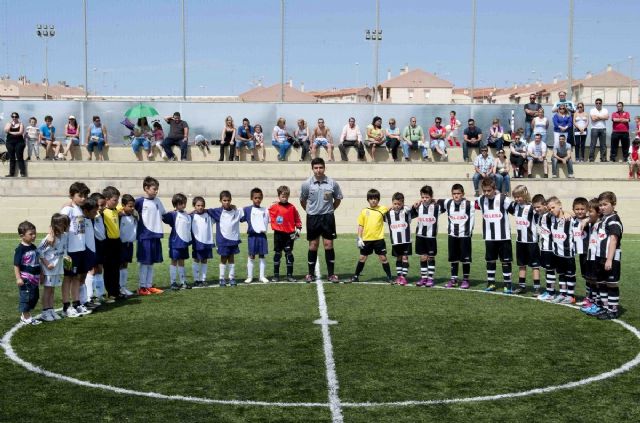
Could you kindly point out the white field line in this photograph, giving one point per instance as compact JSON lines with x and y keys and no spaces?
{"x":11,"y":354}
{"x":332,"y":379}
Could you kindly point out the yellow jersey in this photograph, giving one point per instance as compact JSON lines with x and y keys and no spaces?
{"x":111,"y":220}
{"x":372,"y":222}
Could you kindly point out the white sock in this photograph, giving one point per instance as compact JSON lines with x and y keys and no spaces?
{"x":195,"y":268}
{"x":88,"y":288}
{"x":249,"y":268}
{"x":232,"y":270}
{"x":172,"y":274}
{"x":149,"y":276}
{"x":182,"y":275}
{"x":223,"y":269}
{"x":263,"y":266}
{"x":98,"y":284}
{"x":142,"y":275}
{"x":203,"y":272}
{"x":83,"y":294}
{"x":124,"y":275}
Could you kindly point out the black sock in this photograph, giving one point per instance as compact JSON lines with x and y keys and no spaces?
{"x":613,"y":293}
{"x":65,"y":306}
{"x":454,"y":270}
{"x":466,"y":270}
{"x":399,"y":267}
{"x":506,"y":274}
{"x":276,"y":263}
{"x":536,"y":284}
{"x":359,"y":268}
{"x":76,"y":304}
{"x":289,"y":258}
{"x":522,"y":281}
{"x":312,"y":258}
{"x":330,"y":257}
{"x":387,"y":269}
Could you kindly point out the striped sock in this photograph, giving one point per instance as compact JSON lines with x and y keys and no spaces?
{"x":431,"y":267}
{"x":491,"y":273}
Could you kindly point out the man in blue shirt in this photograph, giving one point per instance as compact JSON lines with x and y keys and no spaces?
{"x":244,"y":137}
{"x":48,"y":138}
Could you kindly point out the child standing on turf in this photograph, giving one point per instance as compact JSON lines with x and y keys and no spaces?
{"x":608,"y":255}
{"x":286,"y":225}
{"x":227,"y":220}
{"x":496,"y":233}
{"x":527,"y":249}
{"x":257,"y":218}
{"x":593,"y":303}
{"x":461,"y":218}
{"x":112,"y":244}
{"x":179,"y":240}
{"x":399,"y":221}
{"x":90,"y":210}
{"x":149,"y":236}
{"x":27,"y":271}
{"x":580,"y":236}
{"x":426,"y":212}
{"x":94,"y":281}
{"x":563,"y":251}
{"x":202,"y":236}
{"x":76,"y":247}
{"x":543,"y":227}
{"x":371,"y":235}
{"x":128,"y":230}
{"x":51,"y":251}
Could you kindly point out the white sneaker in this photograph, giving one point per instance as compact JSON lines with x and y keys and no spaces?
{"x":72,"y":312}
{"x":30,"y":321}
{"x":248,"y":280}
{"x":47,"y":316}
{"x":126,"y":292}
{"x":55,"y":315}
{"x":264,"y":280}
{"x":82,"y":310}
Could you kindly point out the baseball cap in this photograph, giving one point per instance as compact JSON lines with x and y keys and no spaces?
{"x":72,"y":117}
{"x":200,"y":138}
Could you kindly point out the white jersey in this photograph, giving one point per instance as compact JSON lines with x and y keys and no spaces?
{"x":89,"y":236}
{"x":150,"y":223}
{"x":53,"y":254}
{"x":99,"y":229}
{"x":526,"y":228}
{"x":202,"y":229}
{"x":461,"y":218}
{"x":128,"y":228}
{"x":76,"y":238}
{"x":544,"y":231}
{"x":427,"y":217}
{"x":259,"y":219}
{"x":495,"y":220}
{"x":399,"y":225}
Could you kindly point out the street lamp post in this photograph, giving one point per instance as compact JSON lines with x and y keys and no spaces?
{"x":375,"y":35}
{"x":46,"y":32}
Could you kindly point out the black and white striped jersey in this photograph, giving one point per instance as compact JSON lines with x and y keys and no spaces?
{"x":526,"y":229}
{"x":609,"y":225}
{"x":594,"y":244}
{"x":543,"y":223}
{"x":562,"y":235}
{"x":427,"y":217}
{"x":495,"y":219}
{"x":399,"y":225}
{"x":580,"y":240}
{"x":461,"y":217}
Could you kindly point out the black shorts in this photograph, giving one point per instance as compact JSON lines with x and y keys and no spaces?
{"x":528,"y":254}
{"x":582,"y":259}
{"x":426,"y":246}
{"x":459,"y":249}
{"x":321,"y":225}
{"x":495,"y":250}
{"x":603,"y":275}
{"x":546,"y":260}
{"x":78,"y":264}
{"x":282,"y":241}
{"x":99,"y":252}
{"x":564,"y":265}
{"x":400,"y":250}
{"x":589,"y":270}
{"x":378,"y":246}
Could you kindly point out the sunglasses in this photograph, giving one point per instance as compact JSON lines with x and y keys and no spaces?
{"x":14,"y":117}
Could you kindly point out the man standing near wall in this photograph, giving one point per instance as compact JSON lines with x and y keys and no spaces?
{"x":620,"y":132}
{"x":530,"y":111}
{"x":320,"y":196}
{"x":599,"y":116}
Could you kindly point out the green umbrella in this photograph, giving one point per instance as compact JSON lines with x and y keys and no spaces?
{"x":140,"y":111}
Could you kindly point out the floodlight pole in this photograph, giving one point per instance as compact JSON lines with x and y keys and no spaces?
{"x":184,"y":56}
{"x":473,"y":50}
{"x":570,"y":53}
{"x":375,"y":35}
{"x":46,"y":32}
{"x":282,"y":51}
{"x":86,"y":52}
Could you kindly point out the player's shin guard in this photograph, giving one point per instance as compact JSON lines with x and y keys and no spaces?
{"x":454,"y":270}
{"x":491,"y":273}
{"x":250,"y":268}
{"x":203,"y":272}
{"x":431,"y":267}
{"x":330,"y":257}
{"x":124,"y":275}
{"x":387,"y":269}
{"x":613,"y":292}
{"x":276,"y":263}
{"x":506,"y":274}
{"x":262,"y":265}
{"x":195,"y":270}
{"x":424,"y":269}
{"x":603,"y":294}
{"x":550,"y":276}
{"x":172,"y":274}
{"x":312,"y":258}
{"x":182,"y":274}
{"x":405,"y":268}
{"x":562,"y":283}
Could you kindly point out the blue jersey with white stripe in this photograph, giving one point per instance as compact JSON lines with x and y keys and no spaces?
{"x":150,"y":211}
{"x":180,"y":223}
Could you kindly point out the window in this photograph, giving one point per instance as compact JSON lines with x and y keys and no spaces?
{"x":427,"y":94}
{"x":410,"y":93}
{"x":388,"y":93}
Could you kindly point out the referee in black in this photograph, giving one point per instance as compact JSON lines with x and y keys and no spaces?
{"x":319,"y":197}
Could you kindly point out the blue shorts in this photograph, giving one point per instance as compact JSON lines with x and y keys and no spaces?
{"x":228,"y":250}
{"x":97,"y":145}
{"x":73,"y":141}
{"x":29,"y":296}
{"x":258,"y":245}
{"x":179,"y":253}
{"x":90,"y":258}
{"x":78,"y":263}
{"x":149,"y":251}
{"x":126,"y":252}
{"x":140,"y":142}
{"x":321,"y":142}
{"x":240,"y":144}
{"x":205,"y":254}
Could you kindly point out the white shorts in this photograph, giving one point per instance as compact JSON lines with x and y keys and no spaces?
{"x":438,"y":143}
{"x":52,"y":280}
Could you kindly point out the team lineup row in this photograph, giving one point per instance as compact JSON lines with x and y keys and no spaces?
{"x":91,"y":241}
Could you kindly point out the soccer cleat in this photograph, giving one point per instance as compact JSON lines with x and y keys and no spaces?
{"x":308,"y":278}
{"x":465,"y":284}
{"x":72,"y":312}
{"x":389,"y":280}
{"x":46,"y":316}
{"x":507,"y":291}
{"x":536,"y":292}
{"x":422,"y":282}
{"x":82,"y":310}
{"x":545,"y":296}
{"x":185,"y":286}
{"x":452,"y":283}
{"x":248,"y":280}
{"x":144,"y":291}
{"x":429,"y":283}
{"x":124,"y":291}
{"x":397,"y":280}
{"x":592,"y":311}
{"x":403,"y":281}
{"x":174,"y":287}
{"x":198,"y":284}
{"x":222,"y":283}
{"x":353,"y":278}
{"x":264,"y":280}
{"x":490,"y":288}
{"x":600,"y":312}
{"x":275,"y":278}
{"x":586,"y":303}
{"x":290,"y":278}
{"x":520,"y":290}
{"x":609,"y":315}
{"x":155,"y":290}
{"x":568,"y":300}
{"x":558,"y":299}
{"x":55,"y":315}
{"x":232,"y":282}
{"x":334,"y":278}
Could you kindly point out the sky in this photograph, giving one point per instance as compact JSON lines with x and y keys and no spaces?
{"x":135,"y":47}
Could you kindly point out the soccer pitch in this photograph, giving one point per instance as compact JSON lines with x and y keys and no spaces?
{"x":366,"y":352}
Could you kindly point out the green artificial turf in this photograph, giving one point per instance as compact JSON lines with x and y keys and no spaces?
{"x":259,"y":343}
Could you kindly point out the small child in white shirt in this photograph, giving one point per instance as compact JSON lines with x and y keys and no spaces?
{"x":52,"y":251}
